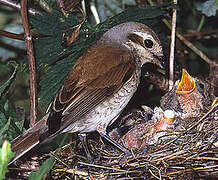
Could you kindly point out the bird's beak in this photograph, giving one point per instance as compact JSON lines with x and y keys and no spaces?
{"x":187,"y":83}
{"x":159,"y":61}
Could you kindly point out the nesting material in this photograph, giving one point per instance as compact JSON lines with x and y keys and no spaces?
{"x":186,"y":151}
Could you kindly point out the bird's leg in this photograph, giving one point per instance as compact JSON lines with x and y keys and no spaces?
{"x":82,"y":137}
{"x":102,"y":131}
{"x":115,"y":143}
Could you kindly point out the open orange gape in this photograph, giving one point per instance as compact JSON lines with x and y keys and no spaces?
{"x":187,"y":83}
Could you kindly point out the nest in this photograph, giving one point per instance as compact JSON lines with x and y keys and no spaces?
{"x":186,"y":153}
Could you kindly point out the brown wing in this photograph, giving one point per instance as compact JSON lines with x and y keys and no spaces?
{"x":98,"y":74}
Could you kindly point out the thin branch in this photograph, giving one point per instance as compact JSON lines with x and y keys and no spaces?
{"x":191,"y":170}
{"x":32,"y":66}
{"x":201,"y":23}
{"x":95,"y":12}
{"x":16,"y":5}
{"x":172,"y":48}
{"x":200,"y":34}
{"x":12,"y":35}
{"x":20,"y":36}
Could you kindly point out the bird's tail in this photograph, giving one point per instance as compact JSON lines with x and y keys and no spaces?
{"x":29,"y":139}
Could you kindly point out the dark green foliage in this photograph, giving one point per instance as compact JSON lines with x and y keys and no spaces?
{"x":4,"y":88}
{"x":9,"y":127}
{"x":50,"y":50}
{"x":54,"y":23}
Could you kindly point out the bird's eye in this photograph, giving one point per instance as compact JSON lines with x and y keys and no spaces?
{"x":148,"y":43}
{"x":201,"y":85}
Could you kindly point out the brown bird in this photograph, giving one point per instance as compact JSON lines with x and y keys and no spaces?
{"x":102,"y":82}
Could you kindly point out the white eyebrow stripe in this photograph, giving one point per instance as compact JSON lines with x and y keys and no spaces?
{"x":144,"y":35}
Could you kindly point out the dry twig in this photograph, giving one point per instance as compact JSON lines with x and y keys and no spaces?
{"x":12,"y":35}
{"x":172,"y":48}
{"x":16,"y":5}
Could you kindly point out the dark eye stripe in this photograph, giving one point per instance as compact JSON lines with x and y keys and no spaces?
{"x":136,"y":39}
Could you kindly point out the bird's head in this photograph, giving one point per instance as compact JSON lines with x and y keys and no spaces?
{"x":139,"y":39}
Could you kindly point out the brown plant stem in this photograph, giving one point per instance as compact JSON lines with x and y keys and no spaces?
{"x":12,"y":35}
{"x":172,"y":48}
{"x":16,"y":5}
{"x":200,"y":34}
{"x":31,"y":62}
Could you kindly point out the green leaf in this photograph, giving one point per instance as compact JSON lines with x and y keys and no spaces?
{"x":7,"y":84}
{"x":7,"y":115}
{"x":4,"y":128}
{"x":46,"y":167}
{"x":5,"y":156}
{"x":208,"y":8}
{"x":53,"y":23}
